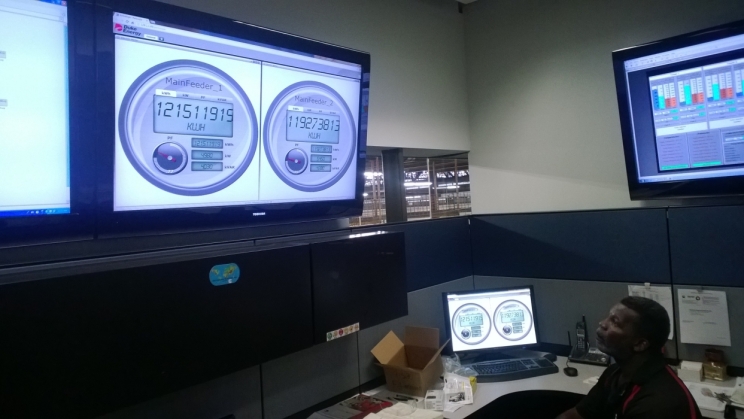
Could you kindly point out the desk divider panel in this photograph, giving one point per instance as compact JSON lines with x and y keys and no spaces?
{"x":617,"y":245}
{"x":707,"y":245}
{"x":561,"y":303}
{"x":84,"y":345}
{"x":236,"y":394}
{"x":437,"y":251}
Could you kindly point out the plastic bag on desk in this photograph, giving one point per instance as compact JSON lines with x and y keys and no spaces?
{"x":452,"y":365}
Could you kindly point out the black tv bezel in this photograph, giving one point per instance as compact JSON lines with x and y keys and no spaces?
{"x":78,"y":224}
{"x":692,"y":188}
{"x":119,"y":223}
{"x":475,"y":352}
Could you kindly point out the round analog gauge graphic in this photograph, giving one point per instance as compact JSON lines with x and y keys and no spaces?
{"x":512,"y":320}
{"x":310,"y":136}
{"x":170,"y":158}
{"x":188,"y":128}
{"x":296,"y":161}
{"x":471,"y":324}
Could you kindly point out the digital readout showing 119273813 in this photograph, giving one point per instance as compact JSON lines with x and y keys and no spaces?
{"x":313,"y":127}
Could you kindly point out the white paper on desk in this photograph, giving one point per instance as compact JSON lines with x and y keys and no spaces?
{"x":452,"y":407}
{"x":703,"y":317}
{"x":704,"y":395}
{"x":662,"y":295}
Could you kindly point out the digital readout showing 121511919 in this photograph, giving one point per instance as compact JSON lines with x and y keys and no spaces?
{"x":313,"y":127}
{"x":179,"y":115}
{"x":471,"y":320}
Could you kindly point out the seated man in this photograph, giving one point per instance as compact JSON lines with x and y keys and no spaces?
{"x":640,"y":384}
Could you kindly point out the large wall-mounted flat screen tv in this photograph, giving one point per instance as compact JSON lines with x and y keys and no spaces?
{"x":213,"y":121}
{"x":40,"y":181}
{"x":681,"y":106}
{"x":34,"y":47}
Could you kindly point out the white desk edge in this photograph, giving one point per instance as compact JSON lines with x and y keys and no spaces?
{"x":488,"y":392}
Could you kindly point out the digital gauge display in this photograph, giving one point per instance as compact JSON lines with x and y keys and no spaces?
{"x":188,"y":128}
{"x":182,"y":115}
{"x":306,"y":125}
{"x":471,"y":320}
{"x":513,"y":320}
{"x":471,"y":324}
{"x":512,"y":316}
{"x":309,"y":122}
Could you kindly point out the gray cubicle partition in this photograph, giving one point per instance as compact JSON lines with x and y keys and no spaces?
{"x":707,"y":248}
{"x":735,"y":352}
{"x":707,"y":245}
{"x":561,"y":303}
{"x":437,"y":251}
{"x":618,"y":245}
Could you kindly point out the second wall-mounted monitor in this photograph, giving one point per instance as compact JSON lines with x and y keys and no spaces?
{"x":681,"y":106}
{"x":212,"y":122}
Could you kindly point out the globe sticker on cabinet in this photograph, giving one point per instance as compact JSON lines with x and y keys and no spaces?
{"x":224,"y":274}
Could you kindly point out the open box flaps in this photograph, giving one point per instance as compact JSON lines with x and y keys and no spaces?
{"x":411,"y":367}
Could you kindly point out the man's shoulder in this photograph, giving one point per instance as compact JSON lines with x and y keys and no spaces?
{"x":663,"y":396}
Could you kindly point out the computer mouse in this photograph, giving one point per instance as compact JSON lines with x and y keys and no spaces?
{"x":571,"y":371}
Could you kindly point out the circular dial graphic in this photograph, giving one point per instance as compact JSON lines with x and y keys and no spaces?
{"x":170,"y":158}
{"x":312,"y":121}
{"x":512,"y":320}
{"x":296,"y":161}
{"x":471,"y":324}
{"x":188,"y":128}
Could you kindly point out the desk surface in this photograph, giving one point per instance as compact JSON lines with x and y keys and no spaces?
{"x":488,"y":392}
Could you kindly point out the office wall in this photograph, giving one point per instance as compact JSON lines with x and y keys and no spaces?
{"x":418,"y":83}
{"x":544,"y":126}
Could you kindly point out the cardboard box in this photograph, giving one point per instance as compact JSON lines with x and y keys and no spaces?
{"x":414,"y":366}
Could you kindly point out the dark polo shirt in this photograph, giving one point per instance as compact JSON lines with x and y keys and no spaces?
{"x":655,"y":392}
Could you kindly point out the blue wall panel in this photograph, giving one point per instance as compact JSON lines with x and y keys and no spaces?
{"x":707,"y":245}
{"x":437,"y":251}
{"x":622,"y":245}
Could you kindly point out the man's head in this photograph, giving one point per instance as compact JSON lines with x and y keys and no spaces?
{"x":635,"y":325}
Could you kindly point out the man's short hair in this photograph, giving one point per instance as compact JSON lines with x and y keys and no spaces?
{"x":652,"y":323}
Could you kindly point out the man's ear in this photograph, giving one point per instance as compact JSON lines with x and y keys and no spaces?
{"x":641,"y":345}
